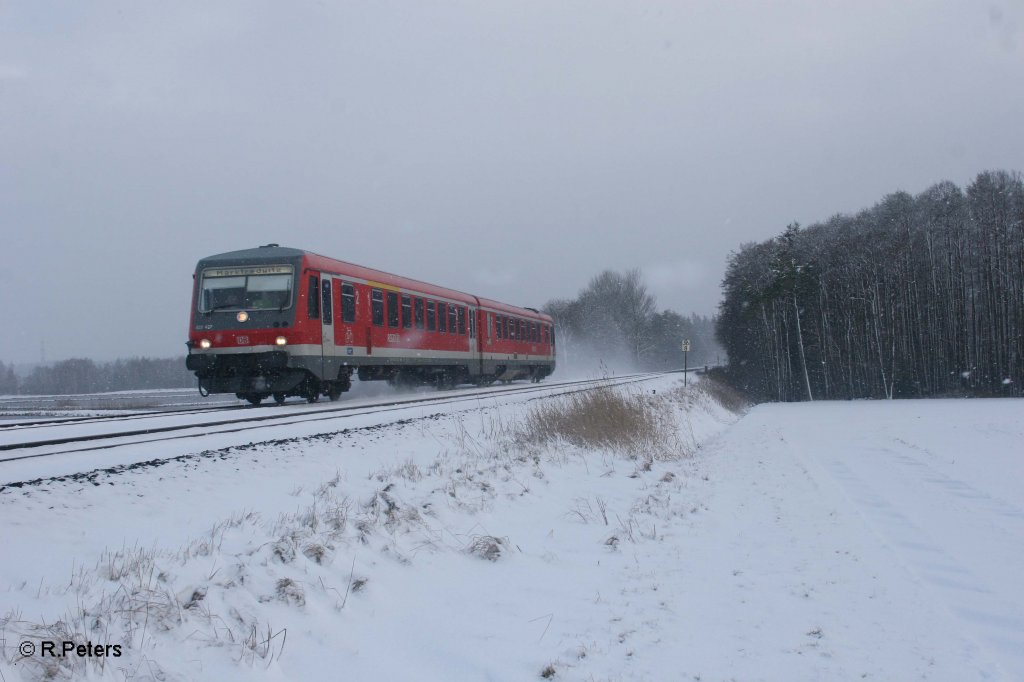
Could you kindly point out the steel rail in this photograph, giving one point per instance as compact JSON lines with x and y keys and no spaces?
{"x":100,"y":418}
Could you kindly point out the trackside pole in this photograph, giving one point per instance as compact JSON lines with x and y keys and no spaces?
{"x":686,"y":363}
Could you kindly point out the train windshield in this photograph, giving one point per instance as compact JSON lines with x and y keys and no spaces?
{"x":252,"y":288}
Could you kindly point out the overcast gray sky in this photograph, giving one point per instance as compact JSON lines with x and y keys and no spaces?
{"x":510,"y":148}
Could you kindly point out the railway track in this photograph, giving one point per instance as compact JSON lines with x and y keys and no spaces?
{"x":56,"y":407}
{"x":252,"y":419}
{"x":121,"y":416}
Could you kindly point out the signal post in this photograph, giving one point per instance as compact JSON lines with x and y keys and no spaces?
{"x":686,"y":365}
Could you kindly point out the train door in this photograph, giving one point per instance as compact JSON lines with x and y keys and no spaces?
{"x":475,"y":344}
{"x":345,"y":316}
{"x":328,"y":354}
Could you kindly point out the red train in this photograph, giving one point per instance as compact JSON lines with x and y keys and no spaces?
{"x":277,"y":321}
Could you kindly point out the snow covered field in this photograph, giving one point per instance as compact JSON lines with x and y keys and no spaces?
{"x":826,"y":541}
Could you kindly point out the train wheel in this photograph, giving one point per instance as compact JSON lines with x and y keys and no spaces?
{"x":334,"y":390}
{"x":279,"y":398}
{"x":254,"y":398}
{"x":313,"y":391}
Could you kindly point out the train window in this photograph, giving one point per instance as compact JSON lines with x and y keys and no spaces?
{"x":498,"y":325}
{"x":461,"y":314}
{"x":453,"y":317}
{"x":472,"y":323}
{"x":313,"y":302}
{"x":430,"y":316}
{"x":348,"y":302}
{"x":552,"y":335}
{"x":325,"y":287}
{"x":392,"y":309}
{"x":377,"y":307}
{"x":419,"y":313}
{"x":488,"y":325}
{"x":544,"y":333}
{"x":442,"y":317}
{"x":406,"y":312}
{"x":222,"y":293}
{"x":535,"y":332}
{"x":255,"y":288}
{"x":521,"y":331}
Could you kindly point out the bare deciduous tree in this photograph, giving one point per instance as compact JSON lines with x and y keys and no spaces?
{"x":915,"y":296}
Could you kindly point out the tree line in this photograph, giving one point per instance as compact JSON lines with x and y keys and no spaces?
{"x":916,"y":296}
{"x":615,"y":320}
{"x":80,"y":375}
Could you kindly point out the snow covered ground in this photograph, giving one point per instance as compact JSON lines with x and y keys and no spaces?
{"x":826,"y":541}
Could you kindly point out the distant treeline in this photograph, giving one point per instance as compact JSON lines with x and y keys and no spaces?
{"x":917,"y":296}
{"x":614,"y":320}
{"x":85,"y":376}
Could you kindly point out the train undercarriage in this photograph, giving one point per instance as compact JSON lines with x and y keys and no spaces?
{"x":255,"y":377}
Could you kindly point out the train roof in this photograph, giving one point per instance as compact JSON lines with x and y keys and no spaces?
{"x":515,"y":310}
{"x":257,"y":254}
{"x":283,"y":253}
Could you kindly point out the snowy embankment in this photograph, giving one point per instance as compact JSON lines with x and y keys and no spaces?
{"x":372,"y":550}
{"x":827,"y":541}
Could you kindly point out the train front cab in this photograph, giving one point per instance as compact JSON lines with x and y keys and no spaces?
{"x":252,"y":331}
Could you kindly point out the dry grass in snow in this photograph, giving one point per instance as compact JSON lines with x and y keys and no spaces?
{"x":625,"y":421}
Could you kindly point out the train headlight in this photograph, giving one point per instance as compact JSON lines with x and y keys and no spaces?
{"x":242,"y":316}
{"x":204,"y":343}
{"x":281,"y":341}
